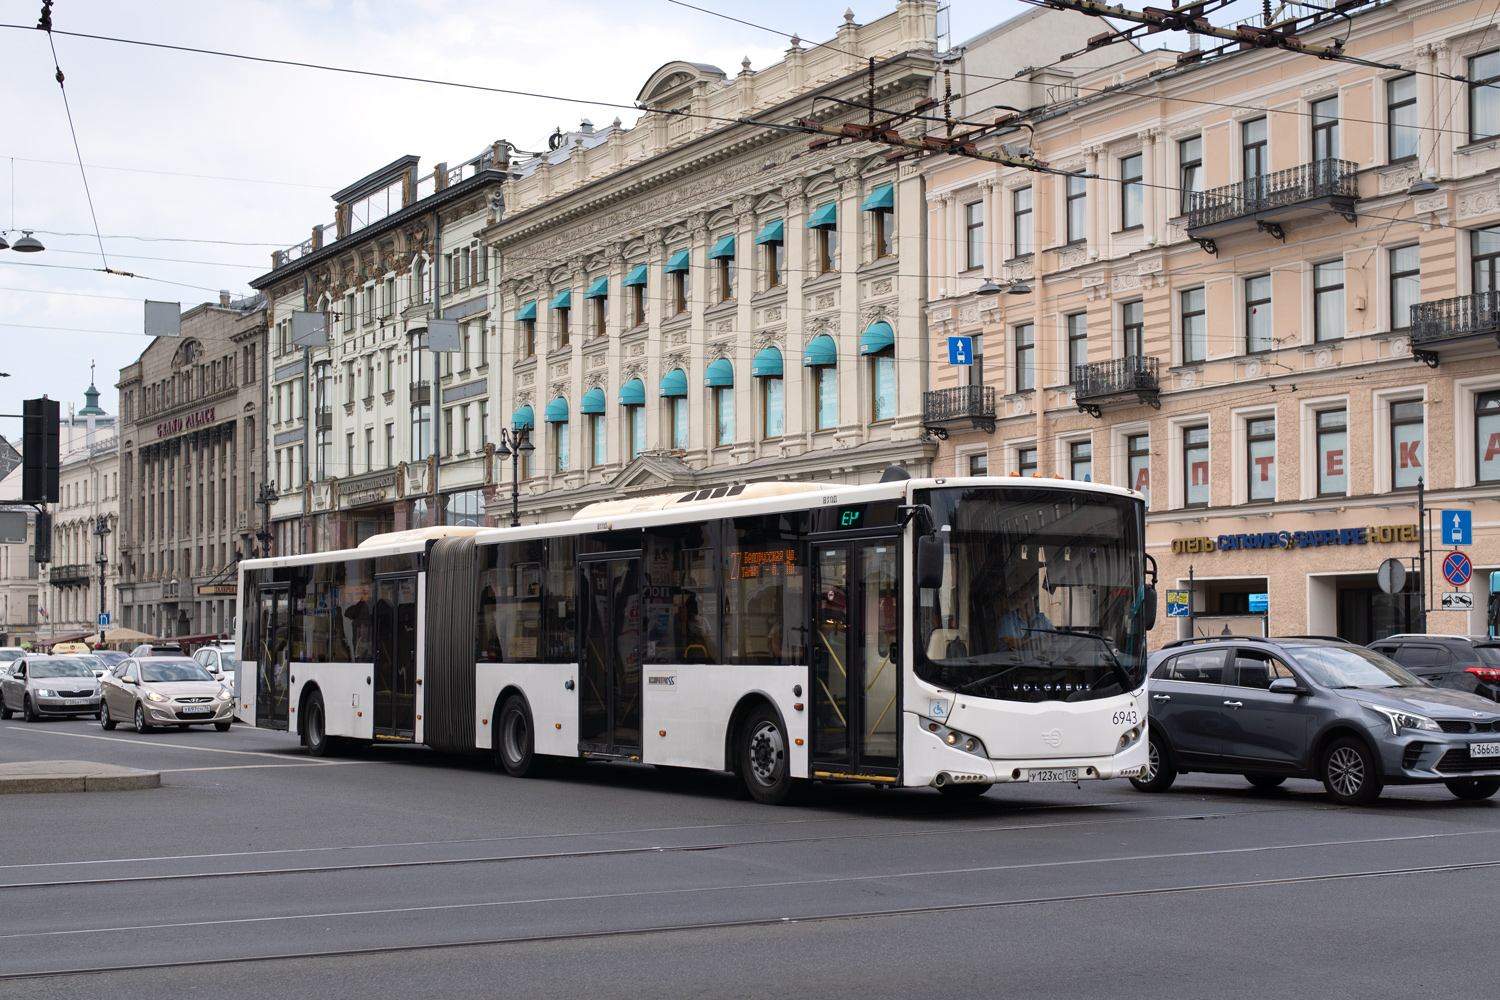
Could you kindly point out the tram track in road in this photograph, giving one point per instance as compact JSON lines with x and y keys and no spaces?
{"x":702,"y":925}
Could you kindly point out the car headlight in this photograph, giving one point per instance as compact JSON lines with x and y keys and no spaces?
{"x":1403,"y":720}
{"x":153,"y":696}
{"x":44,"y":693}
{"x":224,"y":695}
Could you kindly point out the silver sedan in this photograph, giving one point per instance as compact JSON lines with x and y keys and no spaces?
{"x":165,"y":691}
{"x":38,"y":686}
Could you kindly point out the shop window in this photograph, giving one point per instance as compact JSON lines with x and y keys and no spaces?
{"x":1138,"y":464}
{"x":1260,"y":453}
{"x":635,"y":426}
{"x":1487,"y":436}
{"x":883,"y":385}
{"x":724,"y":415}
{"x":560,"y":446}
{"x":827,"y":389}
{"x":1195,"y":466}
{"x":1333,"y":447}
{"x":773,"y":408}
{"x":679,"y":408}
{"x":1408,"y":427}
{"x":598,"y":440}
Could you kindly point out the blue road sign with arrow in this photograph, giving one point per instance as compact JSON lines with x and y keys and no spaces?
{"x":960,"y":350}
{"x":1458,"y":527}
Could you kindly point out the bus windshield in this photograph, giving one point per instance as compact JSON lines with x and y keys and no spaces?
{"x":1041,"y":596}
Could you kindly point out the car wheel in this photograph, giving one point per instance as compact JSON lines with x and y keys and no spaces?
{"x":315,"y":727}
{"x":1351,"y":773}
{"x":515,"y":740}
{"x":105,"y":722}
{"x":1159,"y":773}
{"x":140,"y":719}
{"x":764,"y":764}
{"x":1265,"y":780}
{"x":222,"y":727}
{"x":964,"y":790}
{"x":1473,"y":789}
{"x":5,"y":712}
{"x":27,"y":712}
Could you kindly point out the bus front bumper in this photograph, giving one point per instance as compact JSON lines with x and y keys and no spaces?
{"x":931,"y":761}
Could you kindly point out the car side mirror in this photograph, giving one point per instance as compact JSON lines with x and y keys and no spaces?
{"x":1287,"y":685}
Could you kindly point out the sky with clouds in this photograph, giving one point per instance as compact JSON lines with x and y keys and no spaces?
{"x":200,"y":166}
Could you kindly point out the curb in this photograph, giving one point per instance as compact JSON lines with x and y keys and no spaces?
{"x":73,"y":776}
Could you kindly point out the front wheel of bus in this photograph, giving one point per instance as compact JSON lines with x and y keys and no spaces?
{"x":515,"y":747}
{"x":764,"y":765}
{"x":1159,"y":773}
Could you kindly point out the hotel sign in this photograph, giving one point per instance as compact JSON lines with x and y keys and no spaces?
{"x":1384,"y":534}
{"x":186,"y":423}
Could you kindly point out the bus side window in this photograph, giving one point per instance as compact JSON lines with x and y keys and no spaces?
{"x":764,"y":586}
{"x":560,"y":604}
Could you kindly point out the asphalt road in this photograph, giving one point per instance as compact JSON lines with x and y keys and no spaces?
{"x":256,"y":872}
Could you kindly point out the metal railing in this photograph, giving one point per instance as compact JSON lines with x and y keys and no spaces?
{"x":281,"y":258}
{"x":965,"y":402}
{"x":421,"y":393}
{"x":71,"y":575}
{"x":1458,"y":318}
{"x":1319,"y":179}
{"x":1099,"y":379}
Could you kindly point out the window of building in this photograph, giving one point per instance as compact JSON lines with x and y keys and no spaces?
{"x":775,"y":262}
{"x":349,"y":453}
{"x":726,"y":278}
{"x":389,"y":305}
{"x":1258,"y":314}
{"x":1484,"y":96}
{"x":1253,"y":147}
{"x":1260,"y":452}
{"x":1487,"y":436}
{"x":1133,"y":319}
{"x":1406,"y":285}
{"x":1194,"y":325}
{"x":826,"y":390}
{"x":1484,"y":246}
{"x":1401,"y":118}
{"x":883,"y":385}
{"x":883,"y":221}
{"x":1333,"y":448}
{"x":447,"y":442}
{"x":1081,"y":461}
{"x":979,"y":465}
{"x":973,"y":235}
{"x":1195,"y":465}
{"x":369,"y":376}
{"x":418,"y":281}
{"x":1189,"y":169}
{"x":1132,"y":192}
{"x":484,"y":423}
{"x":322,"y":452}
{"x":348,"y":381}
{"x":560,"y":457}
{"x":828,"y":248}
{"x":1408,"y":427}
{"x":1076,"y":196}
{"x":390,"y":445}
{"x":1325,"y":129}
{"x":465,"y":442}
{"x":528,"y":337}
{"x":369,"y":310}
{"x":598,"y":440}
{"x":1026,"y":461}
{"x":679,"y":414}
{"x":1328,"y":300}
{"x":682,"y":290}
{"x":421,"y":432}
{"x":773,"y":406}
{"x":635,"y":428}
{"x":1138,"y":464}
{"x":1021,"y":220}
{"x":564,"y":331}
{"x":723,"y":415}
{"x":369,"y":448}
{"x":601,"y":315}
{"x":1025,"y":336}
{"x":1078,"y":343}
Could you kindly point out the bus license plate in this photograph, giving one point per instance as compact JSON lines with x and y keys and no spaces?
{"x":1054,"y":774}
{"x":1484,"y":749}
{"x":196,"y":710}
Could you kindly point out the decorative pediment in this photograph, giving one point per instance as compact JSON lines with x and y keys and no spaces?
{"x":653,"y":472}
{"x":672,"y":84}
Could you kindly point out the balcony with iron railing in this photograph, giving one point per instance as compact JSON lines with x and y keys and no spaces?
{"x":971,"y":404}
{"x":323,"y":418}
{"x":1266,"y":202}
{"x":1117,"y":380}
{"x":1461,"y":324}
{"x":421,"y":393}
{"x":71,"y":575}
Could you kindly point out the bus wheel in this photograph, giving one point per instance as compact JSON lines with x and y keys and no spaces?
{"x":515,"y":748}
{"x":315,"y":727}
{"x":764,"y":765}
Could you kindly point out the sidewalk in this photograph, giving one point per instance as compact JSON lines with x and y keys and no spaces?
{"x":73,"y":776}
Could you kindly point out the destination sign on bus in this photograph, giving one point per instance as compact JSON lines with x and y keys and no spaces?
{"x":752,"y":565}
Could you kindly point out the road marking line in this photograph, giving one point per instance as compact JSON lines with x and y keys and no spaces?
{"x":145,"y":743}
{"x":247,"y":767}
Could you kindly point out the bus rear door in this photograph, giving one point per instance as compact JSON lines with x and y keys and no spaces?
{"x":273,"y":665}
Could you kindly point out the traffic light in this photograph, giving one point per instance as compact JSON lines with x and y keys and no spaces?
{"x":39,"y":451}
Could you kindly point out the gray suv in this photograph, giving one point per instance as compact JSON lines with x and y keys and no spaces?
{"x":1463,"y":662}
{"x":1273,"y":709}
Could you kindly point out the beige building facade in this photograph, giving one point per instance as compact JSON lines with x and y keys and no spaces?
{"x":1248,"y":313}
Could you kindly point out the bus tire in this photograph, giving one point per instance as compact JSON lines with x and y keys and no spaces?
{"x":315,"y":727}
{"x":765,"y":765}
{"x":515,"y":743}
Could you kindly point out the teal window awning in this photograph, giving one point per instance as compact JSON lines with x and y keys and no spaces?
{"x":564,"y":299}
{"x":767,"y":362}
{"x":775,"y":232}
{"x":679,"y":262}
{"x":557,"y":411}
{"x":723,"y":248}
{"x":877,"y":338}
{"x":523,"y":419}
{"x":637,"y":276}
{"x":598,"y":290}
{"x":882,"y":198}
{"x":592,"y":402}
{"x":826,"y":215}
{"x":674,"y":383}
{"x":821,"y":350}
{"x":719,"y":373}
{"x":633,"y":393}
{"x":528,"y":311}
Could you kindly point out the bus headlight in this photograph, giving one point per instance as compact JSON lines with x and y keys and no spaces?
{"x":1128,"y":739}
{"x":958,"y":740}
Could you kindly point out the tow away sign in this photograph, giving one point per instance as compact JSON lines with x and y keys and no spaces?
{"x":1458,"y":601}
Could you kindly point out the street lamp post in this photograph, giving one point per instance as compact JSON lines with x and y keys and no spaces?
{"x":265,"y":498}
{"x":101,"y":528}
{"x":514,"y":442}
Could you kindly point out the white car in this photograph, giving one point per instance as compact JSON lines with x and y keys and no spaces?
{"x":221,"y":661}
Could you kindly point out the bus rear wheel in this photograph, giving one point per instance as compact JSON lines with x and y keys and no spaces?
{"x":515,"y":744}
{"x":765,"y":767}
{"x":315,"y":727}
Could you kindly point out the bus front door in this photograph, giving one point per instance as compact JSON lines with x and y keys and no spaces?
{"x":273,"y":665}
{"x":856,"y":658}
{"x":609,"y":698}
{"x":395,"y":681}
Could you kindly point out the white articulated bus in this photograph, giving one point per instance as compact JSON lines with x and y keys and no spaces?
{"x":953,"y":633}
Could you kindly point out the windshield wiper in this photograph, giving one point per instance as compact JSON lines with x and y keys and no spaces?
{"x":1114,"y":664}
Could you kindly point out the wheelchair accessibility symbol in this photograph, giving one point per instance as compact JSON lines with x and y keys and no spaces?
{"x":937,"y":708}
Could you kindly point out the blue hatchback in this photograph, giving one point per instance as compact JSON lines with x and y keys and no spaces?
{"x":1272,"y":709}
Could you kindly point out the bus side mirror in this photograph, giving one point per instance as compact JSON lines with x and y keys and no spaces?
{"x":1148,"y":609}
{"x":929,"y":562}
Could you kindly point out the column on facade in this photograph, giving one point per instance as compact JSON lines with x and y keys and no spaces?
{"x":1427,"y":96}
{"x":1149,"y":199}
{"x":991,"y":219}
{"x":1449,"y":93}
{"x":744,"y":319}
{"x":1095,"y":188}
{"x":794,"y":276}
{"x":938,"y":250}
{"x":850,"y":318}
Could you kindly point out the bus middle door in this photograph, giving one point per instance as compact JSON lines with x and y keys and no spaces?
{"x":609,"y":697}
{"x":395,"y":681}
